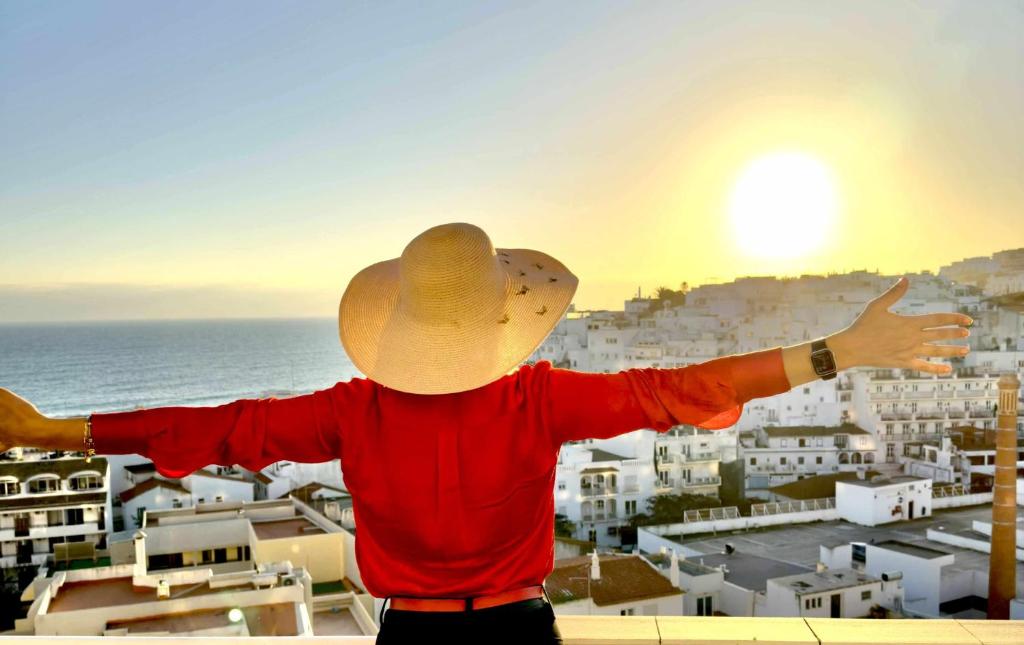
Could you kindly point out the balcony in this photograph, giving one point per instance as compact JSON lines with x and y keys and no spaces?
{"x":701,"y":481}
{"x":598,"y":491}
{"x":599,"y":517}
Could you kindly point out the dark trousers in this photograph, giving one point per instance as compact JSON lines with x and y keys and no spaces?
{"x":530,"y":622}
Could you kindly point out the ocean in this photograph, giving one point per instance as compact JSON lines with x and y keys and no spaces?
{"x":74,"y":368}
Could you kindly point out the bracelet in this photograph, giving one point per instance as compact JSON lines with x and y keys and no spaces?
{"x":90,"y":446}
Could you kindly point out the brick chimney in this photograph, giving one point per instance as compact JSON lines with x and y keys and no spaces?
{"x":1002,"y":568}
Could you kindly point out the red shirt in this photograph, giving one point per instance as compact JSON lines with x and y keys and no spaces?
{"x":453,"y":494}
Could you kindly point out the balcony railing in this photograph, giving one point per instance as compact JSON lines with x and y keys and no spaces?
{"x":598,"y":517}
{"x":701,"y":481}
{"x":598,"y":491}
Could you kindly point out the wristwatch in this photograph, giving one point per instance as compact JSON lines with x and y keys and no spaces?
{"x":822,"y":359}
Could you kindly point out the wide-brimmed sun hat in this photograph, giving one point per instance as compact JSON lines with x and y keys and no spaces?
{"x":453,"y":313}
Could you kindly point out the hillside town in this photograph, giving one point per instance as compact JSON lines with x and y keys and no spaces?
{"x":864,"y":496}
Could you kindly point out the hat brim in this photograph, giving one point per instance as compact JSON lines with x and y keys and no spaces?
{"x":403,"y":354}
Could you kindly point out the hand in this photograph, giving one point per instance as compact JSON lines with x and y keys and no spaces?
{"x":18,"y":418}
{"x":879,"y":338}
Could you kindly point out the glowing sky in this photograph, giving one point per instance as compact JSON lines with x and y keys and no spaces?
{"x":240,"y":158}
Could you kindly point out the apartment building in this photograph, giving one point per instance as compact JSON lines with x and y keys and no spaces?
{"x":48,"y":501}
{"x":902,"y":407}
{"x":777,"y":455}
{"x":599,"y":490}
{"x":687,"y":460}
{"x":600,"y":484}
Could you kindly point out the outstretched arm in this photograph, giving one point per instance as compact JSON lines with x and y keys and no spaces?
{"x":580,"y":405}
{"x":252,"y":433}
{"x":711,"y":395}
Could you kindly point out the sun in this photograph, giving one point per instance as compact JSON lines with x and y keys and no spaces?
{"x":783,"y":205}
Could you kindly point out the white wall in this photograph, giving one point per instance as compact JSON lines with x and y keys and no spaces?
{"x":922,"y":577}
{"x":209,"y":488}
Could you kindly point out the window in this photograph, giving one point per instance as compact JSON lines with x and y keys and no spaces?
{"x":9,"y":488}
{"x":783,"y":443}
{"x":75,"y":516}
{"x":807,"y":390}
{"x":812,"y":603}
{"x":627,"y":612}
{"x":799,"y":460}
{"x":176,"y":503}
{"x":202,"y":499}
{"x":817,"y":459}
{"x":220,"y":498}
{"x":85,"y":482}
{"x":48,"y":485}
{"x":865,"y":595}
{"x":782,"y":460}
{"x":753,"y":461}
{"x":561,"y":485}
{"x":630,"y":507}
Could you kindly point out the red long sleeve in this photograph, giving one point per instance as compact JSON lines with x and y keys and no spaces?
{"x":710,"y":395}
{"x":252,"y":433}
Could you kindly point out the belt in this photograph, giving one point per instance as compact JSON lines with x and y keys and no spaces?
{"x":466,"y":604}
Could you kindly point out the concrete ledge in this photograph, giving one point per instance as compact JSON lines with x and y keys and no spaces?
{"x":854,"y":631}
{"x":691,"y":630}
{"x":714,"y":630}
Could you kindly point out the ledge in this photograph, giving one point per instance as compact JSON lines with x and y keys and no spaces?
{"x":679,"y":630}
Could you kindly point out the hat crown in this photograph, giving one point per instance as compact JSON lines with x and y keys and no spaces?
{"x":445,"y":270}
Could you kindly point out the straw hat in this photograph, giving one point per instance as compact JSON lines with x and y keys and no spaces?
{"x":452,"y":313}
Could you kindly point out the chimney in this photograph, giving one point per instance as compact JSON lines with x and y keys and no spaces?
{"x":140,"y":566}
{"x":860,"y":474}
{"x":1002,"y":568}
{"x":673,"y":574}
{"x":820,"y":567}
{"x":595,"y":566}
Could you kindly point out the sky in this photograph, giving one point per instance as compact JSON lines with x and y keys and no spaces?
{"x":236,"y":159}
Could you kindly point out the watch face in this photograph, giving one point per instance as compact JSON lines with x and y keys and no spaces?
{"x":822,"y":361}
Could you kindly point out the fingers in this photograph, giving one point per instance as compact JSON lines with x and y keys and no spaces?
{"x":928,"y":349}
{"x":941,"y":320}
{"x":945,"y":332}
{"x":930,"y":368}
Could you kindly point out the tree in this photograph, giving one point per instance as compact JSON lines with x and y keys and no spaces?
{"x":564,"y":527}
{"x":673,"y":297}
{"x":667,"y":509}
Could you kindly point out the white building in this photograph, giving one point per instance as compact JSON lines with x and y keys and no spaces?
{"x":919,"y":566}
{"x":228,"y":486}
{"x":599,"y":490}
{"x":831,"y":593}
{"x":881,"y":500}
{"x":777,"y":455}
{"x":154,"y":493}
{"x":127,"y":599}
{"x":45,"y":502}
{"x":900,"y":406}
